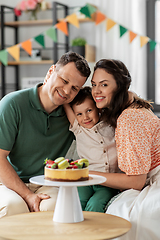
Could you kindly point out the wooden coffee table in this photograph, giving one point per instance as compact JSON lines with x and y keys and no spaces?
{"x":40,"y":226}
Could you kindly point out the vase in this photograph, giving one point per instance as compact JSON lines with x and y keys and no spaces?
{"x":33,"y":15}
{"x":79,"y":49}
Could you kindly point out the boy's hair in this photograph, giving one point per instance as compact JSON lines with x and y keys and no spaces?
{"x":83,"y":94}
{"x":80,"y":63}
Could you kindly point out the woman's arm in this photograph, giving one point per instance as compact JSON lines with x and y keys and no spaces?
{"x":133,"y":142}
{"x":70,"y":114}
{"x":122,"y":181}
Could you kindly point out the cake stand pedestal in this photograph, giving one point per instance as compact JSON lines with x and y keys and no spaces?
{"x":68,"y":207}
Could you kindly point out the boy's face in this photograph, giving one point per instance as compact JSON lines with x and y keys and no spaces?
{"x":86,"y":113}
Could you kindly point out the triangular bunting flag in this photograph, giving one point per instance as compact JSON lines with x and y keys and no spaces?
{"x":85,"y":10}
{"x":110,"y":24}
{"x":122,"y":30}
{"x":51,"y":32}
{"x":4,"y":57}
{"x":63,"y":27}
{"x":90,"y":11}
{"x":143,"y":40}
{"x":14,"y":51}
{"x":100,"y":17}
{"x":91,"y":8}
{"x":132,"y":36}
{"x":152,"y":45}
{"x":40,"y":40}
{"x":27,"y":46}
{"x":73,"y":20}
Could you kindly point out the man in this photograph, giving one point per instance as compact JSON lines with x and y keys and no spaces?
{"x":33,"y":126}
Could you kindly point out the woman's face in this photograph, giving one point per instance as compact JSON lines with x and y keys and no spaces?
{"x":103,"y":87}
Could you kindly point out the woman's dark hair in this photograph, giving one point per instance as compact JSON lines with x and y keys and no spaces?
{"x":83,"y":94}
{"x":120,"y":99}
{"x":80,"y":63}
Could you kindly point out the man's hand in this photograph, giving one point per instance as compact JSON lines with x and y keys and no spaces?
{"x":33,"y":201}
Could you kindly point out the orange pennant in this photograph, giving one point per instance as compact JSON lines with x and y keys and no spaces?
{"x":110,"y":24}
{"x":14,"y":51}
{"x":27,"y":46}
{"x":132,"y":36}
{"x":73,"y":20}
{"x":100,"y":17}
{"x":143,"y":40}
{"x":63,"y":27}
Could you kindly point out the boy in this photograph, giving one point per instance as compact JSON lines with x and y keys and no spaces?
{"x":95,"y":141}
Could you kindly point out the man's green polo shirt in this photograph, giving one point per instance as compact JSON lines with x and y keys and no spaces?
{"x":30,"y":133}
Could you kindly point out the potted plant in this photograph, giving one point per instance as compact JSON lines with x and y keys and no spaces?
{"x":78,"y":45}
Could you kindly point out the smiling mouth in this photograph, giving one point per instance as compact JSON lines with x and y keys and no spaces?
{"x":88,"y":122}
{"x":61,"y":95}
{"x":99,"y":99}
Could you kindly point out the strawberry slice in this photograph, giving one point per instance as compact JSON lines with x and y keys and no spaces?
{"x":73,"y":163}
{"x":75,"y":167}
{"x":53,"y":166}
{"x":50,"y":161}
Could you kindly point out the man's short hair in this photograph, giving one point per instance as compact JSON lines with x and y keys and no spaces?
{"x":80,"y":63}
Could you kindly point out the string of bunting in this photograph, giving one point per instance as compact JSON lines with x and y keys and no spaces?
{"x":88,"y":10}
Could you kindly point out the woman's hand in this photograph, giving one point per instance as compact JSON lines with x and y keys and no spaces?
{"x":132,"y":95}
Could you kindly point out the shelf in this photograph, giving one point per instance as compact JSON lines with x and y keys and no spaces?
{"x":40,"y":22}
{"x":32,"y":23}
{"x":29,"y":23}
{"x":30,"y":62}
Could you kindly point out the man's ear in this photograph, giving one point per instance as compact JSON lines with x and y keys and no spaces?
{"x":54,"y":66}
{"x":49,"y":73}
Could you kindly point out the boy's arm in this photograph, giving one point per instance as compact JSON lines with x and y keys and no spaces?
{"x":69,"y":112}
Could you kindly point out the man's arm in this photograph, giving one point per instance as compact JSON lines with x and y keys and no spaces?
{"x":11,"y":180}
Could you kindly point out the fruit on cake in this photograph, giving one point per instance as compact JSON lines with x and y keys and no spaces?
{"x":66,"y":170}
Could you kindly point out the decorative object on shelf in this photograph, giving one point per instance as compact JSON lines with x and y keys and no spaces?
{"x":90,"y":53}
{"x":31,"y":6}
{"x":78,"y":45}
{"x":33,"y":15}
{"x":28,"y":82}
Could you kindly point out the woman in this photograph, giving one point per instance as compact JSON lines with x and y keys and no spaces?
{"x":137,"y":134}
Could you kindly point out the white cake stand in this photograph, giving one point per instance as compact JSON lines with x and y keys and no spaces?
{"x":68,"y":207}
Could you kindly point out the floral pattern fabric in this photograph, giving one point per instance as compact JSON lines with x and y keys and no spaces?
{"x":138,"y":141}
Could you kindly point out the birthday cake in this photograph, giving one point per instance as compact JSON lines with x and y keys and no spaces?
{"x":66,"y":170}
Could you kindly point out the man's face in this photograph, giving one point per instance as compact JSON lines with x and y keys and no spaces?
{"x":63,"y":85}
